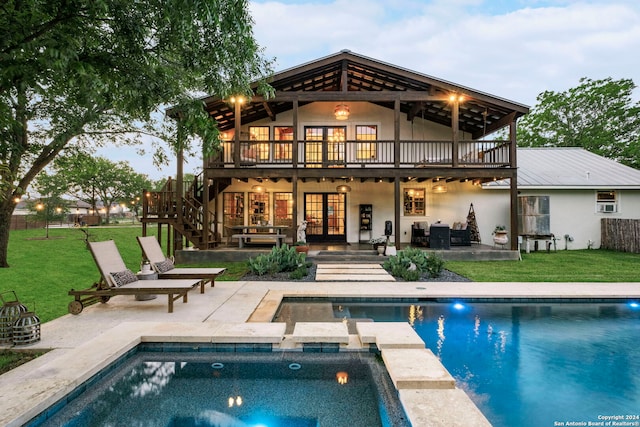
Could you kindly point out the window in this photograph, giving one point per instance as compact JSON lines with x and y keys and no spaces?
{"x":260,"y":133}
{"x":414,"y":201}
{"x":282,"y":151}
{"x":606,"y":201}
{"x":283,"y":209}
{"x":233,"y":209}
{"x":259,"y":203}
{"x":366,"y":150}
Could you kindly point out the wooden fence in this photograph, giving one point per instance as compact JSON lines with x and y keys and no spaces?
{"x":620,"y":234}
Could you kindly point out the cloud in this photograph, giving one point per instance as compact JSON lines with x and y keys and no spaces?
{"x":512,"y":52}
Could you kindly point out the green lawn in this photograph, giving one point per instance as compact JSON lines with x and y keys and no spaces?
{"x":560,"y":266}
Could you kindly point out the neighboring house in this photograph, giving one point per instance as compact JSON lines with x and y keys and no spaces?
{"x":581,"y":187}
{"x":343,"y":134}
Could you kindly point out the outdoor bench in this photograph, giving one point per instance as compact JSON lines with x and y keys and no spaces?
{"x":245,"y":238}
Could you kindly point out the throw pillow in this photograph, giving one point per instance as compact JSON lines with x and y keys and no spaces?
{"x":164,"y":266}
{"x":123,"y":277}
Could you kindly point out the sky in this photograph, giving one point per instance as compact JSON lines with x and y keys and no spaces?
{"x":513,"y":49}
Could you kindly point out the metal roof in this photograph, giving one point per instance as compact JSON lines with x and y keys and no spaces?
{"x":480,"y":113}
{"x":569,"y":168}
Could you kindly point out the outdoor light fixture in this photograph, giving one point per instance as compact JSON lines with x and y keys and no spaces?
{"x":341,"y":112}
{"x":439,"y":188}
{"x":258,"y":188}
{"x":343,"y":188}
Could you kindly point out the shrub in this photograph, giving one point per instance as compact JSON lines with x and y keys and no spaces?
{"x":298,"y":273}
{"x":283,"y":258}
{"x":400,"y":265}
{"x":435,"y":264}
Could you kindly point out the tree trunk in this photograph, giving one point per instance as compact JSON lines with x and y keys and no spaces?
{"x":6,"y":210}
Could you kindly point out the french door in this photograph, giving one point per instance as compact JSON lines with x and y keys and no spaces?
{"x":325,"y":214}
{"x":324,"y":145}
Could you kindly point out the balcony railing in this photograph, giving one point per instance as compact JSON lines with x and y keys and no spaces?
{"x":356,"y":154}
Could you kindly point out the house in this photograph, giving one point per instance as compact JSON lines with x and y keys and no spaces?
{"x":350,"y":145}
{"x":567,"y":192}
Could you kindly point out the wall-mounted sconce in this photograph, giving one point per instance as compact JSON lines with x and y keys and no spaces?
{"x":341,"y":112}
{"x":258,"y":188}
{"x":343,"y":188}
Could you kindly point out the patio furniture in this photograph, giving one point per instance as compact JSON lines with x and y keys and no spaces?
{"x":439,"y":236}
{"x":249,"y":233}
{"x":420,"y":233}
{"x":152,"y":251}
{"x":461,"y":234}
{"x":118,"y":280}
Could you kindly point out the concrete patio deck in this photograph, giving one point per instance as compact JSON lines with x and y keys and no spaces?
{"x":241,"y":312}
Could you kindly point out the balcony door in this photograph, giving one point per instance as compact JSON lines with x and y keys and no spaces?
{"x":326,"y":217}
{"x":325,"y":145}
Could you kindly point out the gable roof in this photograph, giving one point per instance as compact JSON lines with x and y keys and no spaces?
{"x":569,"y":168}
{"x":345,"y":71}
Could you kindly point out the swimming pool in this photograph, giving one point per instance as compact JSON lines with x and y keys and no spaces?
{"x":238,"y":390}
{"x":529,"y":364}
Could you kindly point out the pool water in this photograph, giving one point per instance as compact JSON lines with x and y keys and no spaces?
{"x":531,"y":364}
{"x":237,"y":390}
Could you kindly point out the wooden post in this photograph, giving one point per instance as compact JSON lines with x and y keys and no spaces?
{"x":455,"y":106}
{"x":179,"y":190}
{"x":294,"y":213}
{"x":236,"y":135}
{"x":294,"y":147}
{"x":396,"y":213}
{"x":513,"y":187}
{"x":396,"y":133}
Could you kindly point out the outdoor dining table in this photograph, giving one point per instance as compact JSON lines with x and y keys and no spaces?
{"x":245,"y":231}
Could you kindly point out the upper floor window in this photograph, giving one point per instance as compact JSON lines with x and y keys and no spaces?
{"x":282,"y":150}
{"x":366,"y":150}
{"x":260,"y":133}
{"x":606,"y":201}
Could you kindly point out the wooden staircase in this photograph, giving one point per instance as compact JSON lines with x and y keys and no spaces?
{"x":162,"y":208}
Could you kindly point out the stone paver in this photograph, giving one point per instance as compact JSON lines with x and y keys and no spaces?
{"x":416,"y":368}
{"x":352,"y":273}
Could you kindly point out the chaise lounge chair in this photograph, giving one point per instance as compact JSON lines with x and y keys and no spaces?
{"x":164,"y":267}
{"x":118,"y":280}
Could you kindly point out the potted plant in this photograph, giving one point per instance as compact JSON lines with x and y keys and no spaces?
{"x":301,"y":246}
{"x":379,"y":244}
{"x":390,"y":249}
{"x":500,"y":235}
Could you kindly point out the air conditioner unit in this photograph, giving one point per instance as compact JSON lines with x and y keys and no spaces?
{"x":607,"y":207}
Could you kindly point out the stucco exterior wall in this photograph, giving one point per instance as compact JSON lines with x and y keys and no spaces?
{"x":572,"y":212}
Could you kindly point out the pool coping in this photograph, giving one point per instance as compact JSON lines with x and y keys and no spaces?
{"x":82,"y":345}
{"x":49,"y":383}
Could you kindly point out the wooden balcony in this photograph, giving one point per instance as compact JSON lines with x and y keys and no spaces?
{"x":364,"y":154}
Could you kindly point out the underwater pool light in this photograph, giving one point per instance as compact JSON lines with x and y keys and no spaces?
{"x":634,"y":304}
{"x":459,"y":306}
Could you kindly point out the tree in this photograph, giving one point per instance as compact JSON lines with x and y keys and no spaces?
{"x":598,"y":115}
{"x":91,"y":179}
{"x":75,"y":73}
